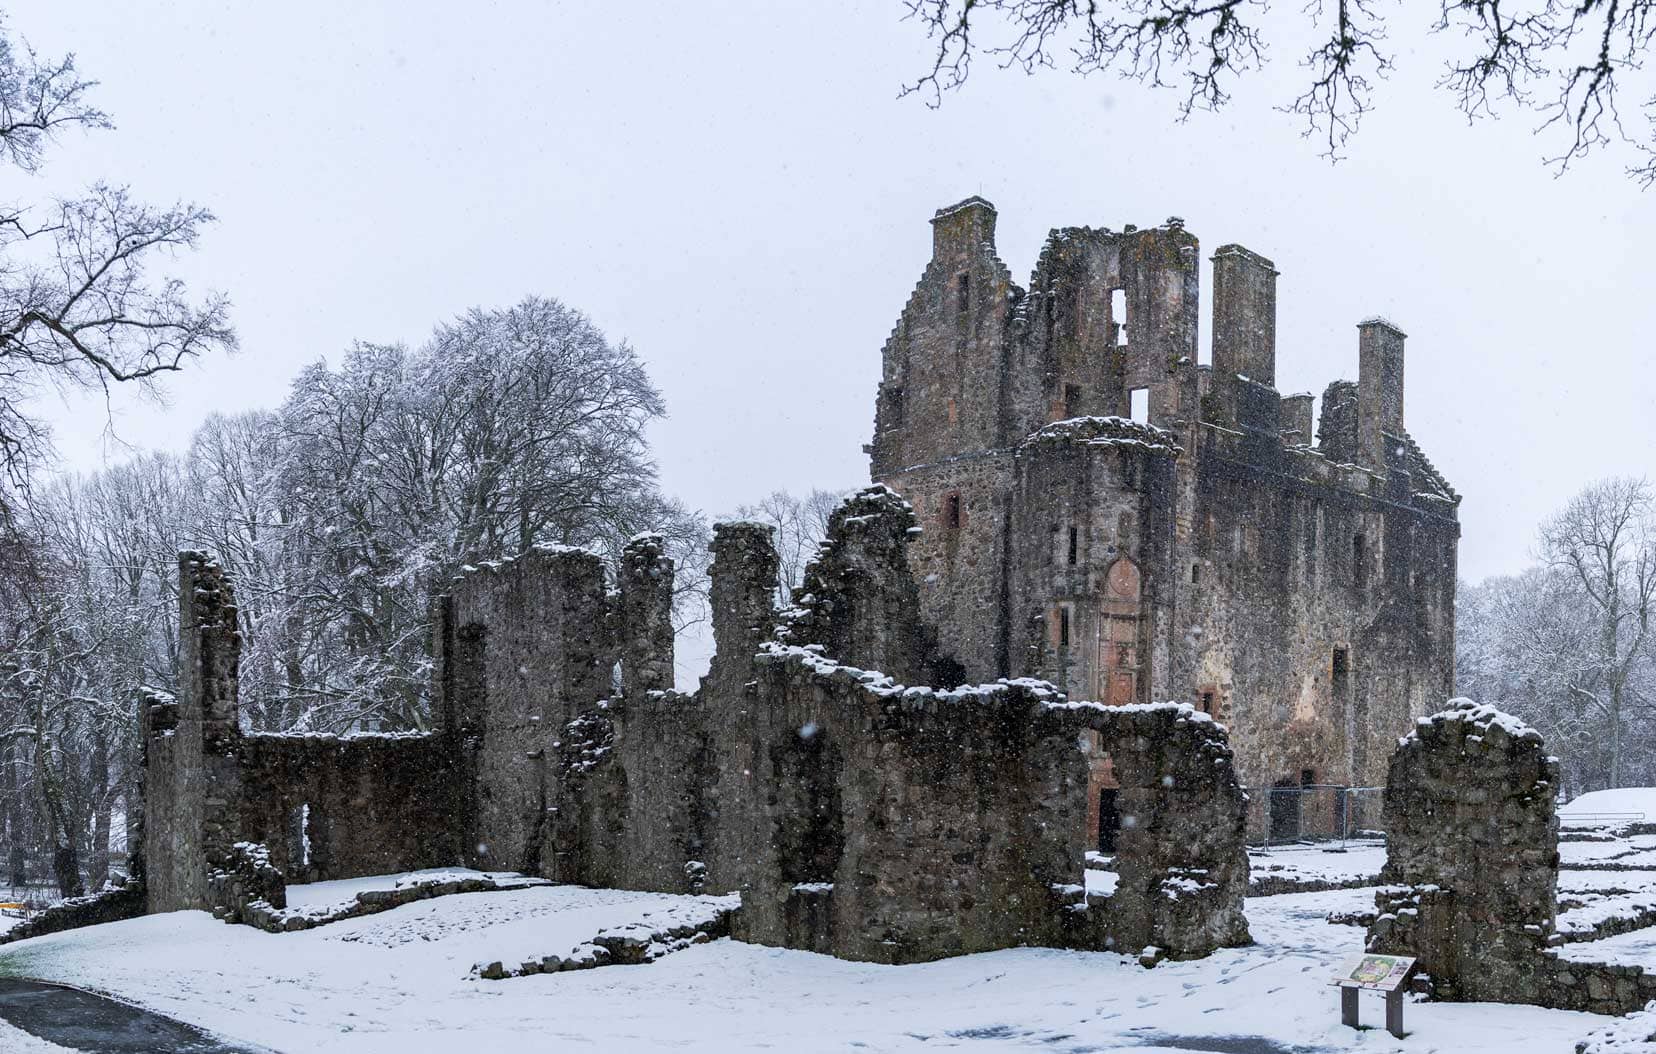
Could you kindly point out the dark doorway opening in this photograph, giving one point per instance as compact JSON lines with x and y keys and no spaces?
{"x":1285,"y":811}
{"x":1109,"y":820}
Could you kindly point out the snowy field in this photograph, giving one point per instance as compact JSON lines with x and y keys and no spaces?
{"x":406,"y":980}
{"x":401,"y":981}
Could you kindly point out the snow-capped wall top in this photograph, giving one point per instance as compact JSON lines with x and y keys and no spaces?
{"x":1480,"y":714}
{"x":1104,"y":431}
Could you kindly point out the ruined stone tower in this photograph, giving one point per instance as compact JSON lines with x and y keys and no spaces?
{"x":1100,"y":511}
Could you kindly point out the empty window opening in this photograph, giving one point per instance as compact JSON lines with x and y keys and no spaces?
{"x":1207,"y":702}
{"x":1308,"y":777}
{"x":1072,"y":400}
{"x":1118,"y":315}
{"x":894,"y":407}
{"x":304,"y":836}
{"x":1063,"y":627}
{"x":963,"y":292}
{"x":1195,"y":573}
{"x":1359,"y":560}
{"x":1074,"y":545}
{"x":951,"y":511}
{"x":1109,"y":820}
{"x":1341,"y":679}
{"x":1138,"y":407}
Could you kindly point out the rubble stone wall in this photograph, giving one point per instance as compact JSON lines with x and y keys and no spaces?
{"x":365,"y":804}
{"x":1472,"y":867}
{"x":332,"y":807}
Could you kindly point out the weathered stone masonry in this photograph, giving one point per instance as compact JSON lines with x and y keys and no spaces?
{"x":858,"y":814}
{"x":1472,"y":867}
{"x":1302,"y":593}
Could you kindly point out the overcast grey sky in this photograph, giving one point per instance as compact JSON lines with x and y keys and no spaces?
{"x":737,"y":190}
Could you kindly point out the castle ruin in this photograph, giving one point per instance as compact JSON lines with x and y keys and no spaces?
{"x":1202,"y":548}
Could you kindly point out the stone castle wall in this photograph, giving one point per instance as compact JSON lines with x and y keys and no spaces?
{"x":858,"y":814}
{"x":1305,"y":593}
{"x":1472,"y":867}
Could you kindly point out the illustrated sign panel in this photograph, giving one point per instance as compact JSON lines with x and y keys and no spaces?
{"x":1381,"y":973}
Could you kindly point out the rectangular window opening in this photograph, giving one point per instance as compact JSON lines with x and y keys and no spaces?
{"x":1072,"y":400}
{"x":1195,"y":573}
{"x":1207,"y":702}
{"x":951,"y":511}
{"x":1341,"y":678}
{"x":1308,"y":777}
{"x":1118,"y":315}
{"x":1139,"y":405}
{"x":1359,"y":560}
{"x":1063,"y":627}
{"x":963,"y":292}
{"x":1074,"y":545}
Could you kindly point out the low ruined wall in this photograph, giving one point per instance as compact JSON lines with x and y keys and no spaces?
{"x":908,"y":824}
{"x":633,"y":807}
{"x":1472,"y":867}
{"x":332,"y":807}
{"x":902,"y":825}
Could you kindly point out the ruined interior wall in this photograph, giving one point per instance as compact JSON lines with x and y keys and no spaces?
{"x":913,"y":824}
{"x":904,"y":826}
{"x":633,"y":803}
{"x":857,"y":597}
{"x":377,"y":803}
{"x":365,"y":804}
{"x":192,"y":781}
{"x":531,"y":648}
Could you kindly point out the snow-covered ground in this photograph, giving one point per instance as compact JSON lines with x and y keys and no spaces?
{"x":343,"y":891}
{"x":401,"y":981}
{"x":17,"y":1041}
{"x":1636,"y":852}
{"x":1628,"y":802}
{"x":1333,"y":864}
{"x":406,"y":980}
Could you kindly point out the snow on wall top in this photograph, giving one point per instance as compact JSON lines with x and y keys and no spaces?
{"x":1480,"y":714}
{"x":1104,"y":431}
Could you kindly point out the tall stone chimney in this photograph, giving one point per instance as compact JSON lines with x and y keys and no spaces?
{"x":1379,"y":388}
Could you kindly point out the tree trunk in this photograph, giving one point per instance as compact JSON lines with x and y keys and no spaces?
{"x":66,"y":866}
{"x":98,"y":863}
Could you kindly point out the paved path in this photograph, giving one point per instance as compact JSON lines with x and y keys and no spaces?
{"x":82,"y":1021}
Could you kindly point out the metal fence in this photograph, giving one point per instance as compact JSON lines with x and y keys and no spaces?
{"x":1312,"y":813}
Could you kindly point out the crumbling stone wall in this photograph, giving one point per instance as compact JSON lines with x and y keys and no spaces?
{"x":857,"y":598}
{"x":869,"y":820}
{"x":1472,"y":844}
{"x":910,"y":824}
{"x":523,"y":646}
{"x":192,"y":781}
{"x":367,"y":804}
{"x":1472,"y":867}
{"x":1306,"y":593}
{"x":331,"y":807}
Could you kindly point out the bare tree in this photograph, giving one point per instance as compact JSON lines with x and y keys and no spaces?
{"x":79,"y":308}
{"x":1568,"y":64}
{"x":1603,"y":545}
{"x":801,"y":523}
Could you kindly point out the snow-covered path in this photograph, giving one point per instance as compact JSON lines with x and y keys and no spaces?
{"x":399,"y":982}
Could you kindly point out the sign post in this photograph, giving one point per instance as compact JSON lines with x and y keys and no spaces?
{"x":1377,"y":973}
